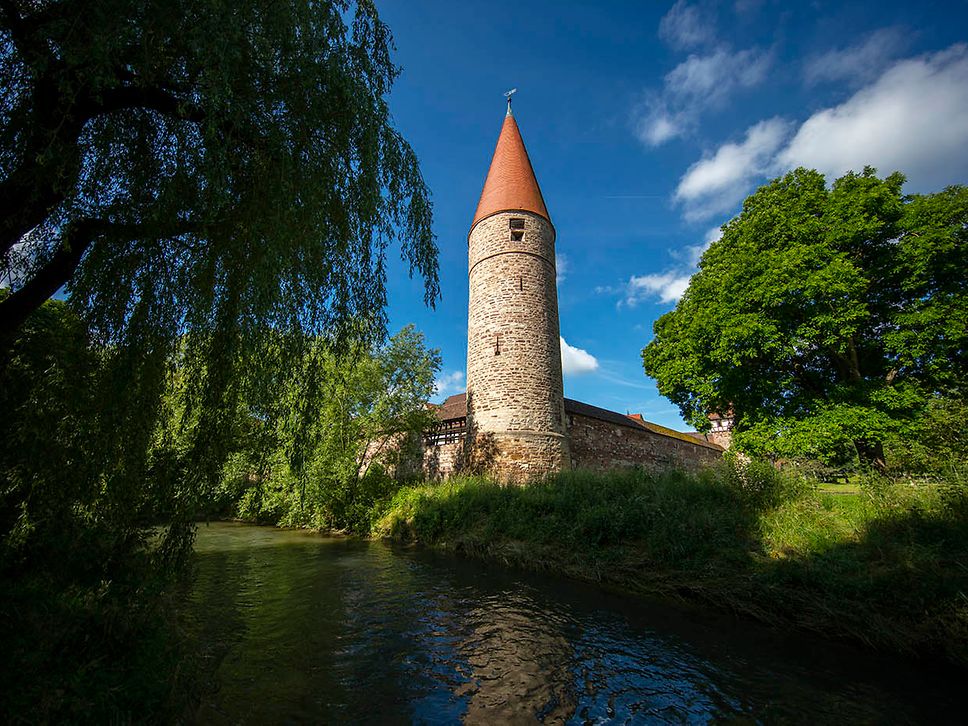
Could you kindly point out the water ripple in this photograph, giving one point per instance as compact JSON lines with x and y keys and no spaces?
{"x":308,"y":629}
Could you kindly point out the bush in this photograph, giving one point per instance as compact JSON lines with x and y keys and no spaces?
{"x":317,"y":501}
{"x":759,"y":483}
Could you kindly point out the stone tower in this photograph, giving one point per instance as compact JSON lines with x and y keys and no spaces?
{"x":515,"y":398}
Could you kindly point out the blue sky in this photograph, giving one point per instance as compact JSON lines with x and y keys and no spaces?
{"x":647,"y":124}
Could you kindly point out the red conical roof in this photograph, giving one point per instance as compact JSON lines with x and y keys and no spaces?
{"x":510,"y":183}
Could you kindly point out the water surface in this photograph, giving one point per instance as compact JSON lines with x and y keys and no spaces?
{"x":304,"y":628}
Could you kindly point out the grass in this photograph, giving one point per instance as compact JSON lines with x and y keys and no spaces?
{"x":829,"y":488}
{"x":885,"y":564}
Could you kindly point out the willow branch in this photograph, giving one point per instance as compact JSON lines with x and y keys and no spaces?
{"x":18,"y":306}
{"x":22,"y":35}
{"x":80,"y":235}
{"x":149,"y":98}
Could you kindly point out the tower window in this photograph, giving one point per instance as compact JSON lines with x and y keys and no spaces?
{"x":497,"y":344}
{"x":516,"y":226}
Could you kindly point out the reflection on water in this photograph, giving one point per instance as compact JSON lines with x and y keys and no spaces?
{"x":305,"y":628}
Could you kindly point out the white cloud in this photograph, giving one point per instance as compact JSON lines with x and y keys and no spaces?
{"x":717,"y":183}
{"x":668,"y":287}
{"x":448,"y":384}
{"x":914,"y":119}
{"x":857,"y":64}
{"x":685,"y":27}
{"x":561,"y":267}
{"x":713,"y":77}
{"x":575,"y":361}
{"x":657,"y":127}
{"x":19,"y":261}
{"x":697,"y":85}
{"x":713,"y":234}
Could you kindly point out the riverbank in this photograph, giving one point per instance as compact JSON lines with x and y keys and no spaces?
{"x":887,"y":567}
{"x":307,"y":629}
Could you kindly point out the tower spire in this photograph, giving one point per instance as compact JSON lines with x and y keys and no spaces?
{"x":515,"y":398}
{"x":511,"y":184}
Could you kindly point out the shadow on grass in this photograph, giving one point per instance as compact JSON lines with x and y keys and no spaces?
{"x":902,"y":584}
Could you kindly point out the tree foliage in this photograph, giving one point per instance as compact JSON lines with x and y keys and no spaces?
{"x":330,"y":470}
{"x":203,"y":164}
{"x":826,"y":318}
{"x":217,"y":184}
{"x":83,"y":618}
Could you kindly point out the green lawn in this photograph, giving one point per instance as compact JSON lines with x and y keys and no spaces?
{"x":829,"y":488}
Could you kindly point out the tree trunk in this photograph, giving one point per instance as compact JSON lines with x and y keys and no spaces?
{"x":57,"y":271}
{"x":871,"y":454}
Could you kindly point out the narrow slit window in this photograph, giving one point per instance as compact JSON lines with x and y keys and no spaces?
{"x":497,"y":344}
{"x":516,"y":226}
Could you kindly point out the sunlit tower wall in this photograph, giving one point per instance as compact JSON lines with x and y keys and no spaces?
{"x":515,"y":397}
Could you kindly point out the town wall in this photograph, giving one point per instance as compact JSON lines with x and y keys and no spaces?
{"x":600,"y":445}
{"x":595,"y":438}
{"x":442,"y":460}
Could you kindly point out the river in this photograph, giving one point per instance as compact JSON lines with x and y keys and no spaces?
{"x":300,"y":628}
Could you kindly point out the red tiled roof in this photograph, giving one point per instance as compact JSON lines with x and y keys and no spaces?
{"x":456,"y":407}
{"x":510,"y":184}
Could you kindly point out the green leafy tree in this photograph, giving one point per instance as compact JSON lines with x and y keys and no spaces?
{"x":84,"y":618}
{"x":217,"y":185}
{"x":331,"y":469}
{"x":826,"y":318}
{"x":935,"y":441}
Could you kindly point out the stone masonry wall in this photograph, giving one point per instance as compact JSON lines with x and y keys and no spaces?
{"x":440,"y":460}
{"x":514,"y":379}
{"x":599,"y":445}
{"x":522,"y":455}
{"x":722,"y":437}
{"x":518,"y":457}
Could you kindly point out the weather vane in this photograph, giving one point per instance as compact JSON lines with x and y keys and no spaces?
{"x":508,"y":94}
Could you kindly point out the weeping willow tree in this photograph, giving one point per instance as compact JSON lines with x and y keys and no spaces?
{"x":206,"y":179}
{"x":216,"y":186}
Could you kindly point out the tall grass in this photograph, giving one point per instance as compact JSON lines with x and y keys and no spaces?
{"x":888,"y":566}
